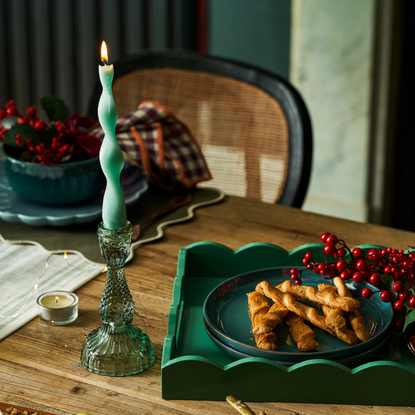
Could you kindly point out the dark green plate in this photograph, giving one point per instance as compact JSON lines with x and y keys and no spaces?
{"x":350,"y":361}
{"x":226,"y":313}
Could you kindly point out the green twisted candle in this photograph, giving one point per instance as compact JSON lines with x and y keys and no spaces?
{"x":114,"y":213}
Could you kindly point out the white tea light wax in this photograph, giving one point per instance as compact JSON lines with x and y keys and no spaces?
{"x":58,"y":307}
{"x":56,"y":301}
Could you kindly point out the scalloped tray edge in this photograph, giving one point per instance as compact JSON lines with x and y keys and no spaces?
{"x":235,"y":374}
{"x":316,"y":381}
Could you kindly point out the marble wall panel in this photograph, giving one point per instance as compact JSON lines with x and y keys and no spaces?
{"x":331,"y":65}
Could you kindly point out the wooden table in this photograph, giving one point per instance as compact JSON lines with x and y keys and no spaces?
{"x":40,"y":366}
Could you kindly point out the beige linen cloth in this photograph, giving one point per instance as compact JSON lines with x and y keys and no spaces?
{"x":21,"y":265}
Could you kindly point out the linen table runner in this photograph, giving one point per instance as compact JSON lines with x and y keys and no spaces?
{"x":21,"y":264}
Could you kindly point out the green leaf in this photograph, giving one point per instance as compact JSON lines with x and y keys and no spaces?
{"x":410,"y":318}
{"x":47,"y":135}
{"x":387,"y":282}
{"x":25,"y":130}
{"x":55,"y":108}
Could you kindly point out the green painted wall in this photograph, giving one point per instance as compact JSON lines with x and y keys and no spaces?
{"x":253,"y":31}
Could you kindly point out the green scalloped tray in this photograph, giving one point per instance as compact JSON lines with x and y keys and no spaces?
{"x":194,"y":368}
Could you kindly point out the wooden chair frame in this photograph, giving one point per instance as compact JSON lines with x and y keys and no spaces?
{"x":292,"y":104}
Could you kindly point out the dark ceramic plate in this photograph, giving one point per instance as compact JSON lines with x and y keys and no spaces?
{"x":351,"y":361}
{"x":226,"y":314}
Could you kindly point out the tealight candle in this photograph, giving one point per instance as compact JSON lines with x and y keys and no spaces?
{"x":114,"y":213}
{"x":58,"y":308}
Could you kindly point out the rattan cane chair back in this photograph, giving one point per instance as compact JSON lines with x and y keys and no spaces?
{"x":252,"y":126}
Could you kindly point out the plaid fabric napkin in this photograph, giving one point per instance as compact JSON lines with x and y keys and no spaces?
{"x":162,"y":145}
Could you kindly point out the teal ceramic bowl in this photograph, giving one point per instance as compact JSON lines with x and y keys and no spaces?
{"x":61,"y":184}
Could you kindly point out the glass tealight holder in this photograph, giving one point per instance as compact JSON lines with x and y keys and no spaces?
{"x":58,"y":308}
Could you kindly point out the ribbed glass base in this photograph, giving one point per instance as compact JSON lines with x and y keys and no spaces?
{"x":117,"y":351}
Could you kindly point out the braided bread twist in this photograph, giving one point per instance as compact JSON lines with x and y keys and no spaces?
{"x":303,"y":335}
{"x":329,"y":298}
{"x":335,"y":319}
{"x":275,"y":315}
{"x":307,"y":313}
{"x":258,"y":307}
{"x":356,"y":320}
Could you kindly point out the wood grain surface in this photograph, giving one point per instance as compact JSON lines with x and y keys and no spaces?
{"x":40,"y":365}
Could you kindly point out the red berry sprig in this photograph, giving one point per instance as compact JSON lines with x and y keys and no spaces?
{"x":65,"y":138}
{"x":392,"y":264}
{"x":11,"y":108}
{"x":44,"y":154}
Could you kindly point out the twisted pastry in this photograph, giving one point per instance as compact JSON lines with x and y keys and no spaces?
{"x":258,"y":307}
{"x":359,"y":325}
{"x":328,"y":287}
{"x":356,"y":320}
{"x":329,"y":298}
{"x":307,"y":313}
{"x":267,"y":323}
{"x":334,"y":316}
{"x":342,"y":290}
{"x":303,"y":335}
{"x":335,"y":319}
{"x":266,"y":341}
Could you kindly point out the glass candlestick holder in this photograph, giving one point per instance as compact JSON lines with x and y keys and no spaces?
{"x":117,"y":348}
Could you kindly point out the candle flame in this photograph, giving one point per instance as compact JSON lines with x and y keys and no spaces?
{"x":104,"y":52}
{"x":57,"y":299}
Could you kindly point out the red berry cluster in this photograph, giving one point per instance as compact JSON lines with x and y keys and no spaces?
{"x":395,"y":264}
{"x":44,"y":153}
{"x":10,"y":110}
